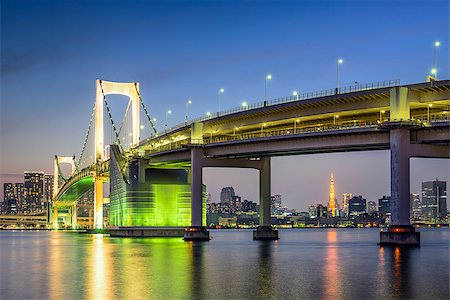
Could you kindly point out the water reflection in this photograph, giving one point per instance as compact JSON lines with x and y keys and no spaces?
{"x":55,"y":260}
{"x":401,"y":283}
{"x":331,"y":276}
{"x":96,"y":269}
{"x":197,"y":277}
{"x":264,"y":276}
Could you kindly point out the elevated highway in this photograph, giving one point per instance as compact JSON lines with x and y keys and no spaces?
{"x":409,"y":120}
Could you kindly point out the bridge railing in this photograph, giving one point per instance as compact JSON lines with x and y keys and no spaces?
{"x":292,"y":130}
{"x":309,"y":95}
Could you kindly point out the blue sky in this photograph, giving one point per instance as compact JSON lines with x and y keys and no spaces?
{"x":52,"y":52}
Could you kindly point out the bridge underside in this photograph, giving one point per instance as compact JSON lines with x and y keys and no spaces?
{"x":74,"y":192}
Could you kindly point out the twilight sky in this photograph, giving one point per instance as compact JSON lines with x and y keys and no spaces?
{"x":52,"y":52}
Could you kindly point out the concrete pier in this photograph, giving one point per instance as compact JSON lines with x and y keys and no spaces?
{"x":399,"y":235}
{"x":265,"y":233}
{"x":196,"y":233}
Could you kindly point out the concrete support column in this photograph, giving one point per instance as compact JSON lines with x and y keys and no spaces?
{"x":265,"y":230}
{"x":98,"y":202}
{"x":196,"y":186}
{"x":74,"y":216}
{"x":400,"y":233}
{"x":264,"y":193}
{"x":196,"y":232}
{"x":400,"y":186}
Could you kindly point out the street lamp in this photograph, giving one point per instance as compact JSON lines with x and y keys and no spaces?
{"x":187,"y":110}
{"x":245,"y":104}
{"x":295,"y":94}
{"x":295,"y":125}
{"x":339,"y":62}
{"x":268,"y":78}
{"x":334,"y":119}
{"x":221,"y":91}
{"x":208,"y":114}
{"x":428,"y":112}
{"x":436,"y":44}
{"x":167,"y":116}
{"x":381,"y":115}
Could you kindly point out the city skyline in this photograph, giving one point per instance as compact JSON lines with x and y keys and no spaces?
{"x":55,"y":122}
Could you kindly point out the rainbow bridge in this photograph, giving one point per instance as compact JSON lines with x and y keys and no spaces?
{"x":157,"y":181}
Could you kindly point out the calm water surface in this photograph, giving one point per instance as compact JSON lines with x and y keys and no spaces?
{"x":308,"y":264}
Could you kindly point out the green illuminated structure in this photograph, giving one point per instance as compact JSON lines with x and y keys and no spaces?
{"x":142,"y":196}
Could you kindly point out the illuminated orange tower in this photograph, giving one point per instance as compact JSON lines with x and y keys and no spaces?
{"x":332,"y":201}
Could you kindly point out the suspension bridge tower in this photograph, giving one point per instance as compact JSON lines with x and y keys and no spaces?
{"x":104,"y":88}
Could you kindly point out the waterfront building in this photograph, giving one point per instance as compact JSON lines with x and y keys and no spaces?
{"x":227,"y":194}
{"x":33,"y":192}
{"x":208,"y":198}
{"x":275,"y":202}
{"x":321,"y":211}
{"x":384,"y":206}
{"x":345,"y":198}
{"x":416,"y":207}
{"x":12,"y":197}
{"x":371,"y":207}
{"x":236,"y":203}
{"x":312,"y":211}
{"x":48,"y":192}
{"x":357,"y":206}
{"x":434,"y":200}
{"x":332,"y":199}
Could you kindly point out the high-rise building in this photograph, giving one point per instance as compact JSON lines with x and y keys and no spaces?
{"x":434,"y":200}
{"x":33,"y":192}
{"x":275,"y":202}
{"x":384,"y":206}
{"x":416,"y":207}
{"x":13,"y":197}
{"x":371,"y":207}
{"x":208,"y":198}
{"x":236,"y":202}
{"x":227,"y":194}
{"x":332,"y":199}
{"x":356,"y":206}
{"x":312,"y":211}
{"x":345,"y":198}
{"x":321,"y":211}
{"x":48,"y":190}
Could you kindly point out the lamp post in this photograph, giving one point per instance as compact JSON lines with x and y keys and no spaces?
{"x":381,"y":115}
{"x":167,"y":116}
{"x":268,"y":78}
{"x":245,"y":105}
{"x":334,"y":119}
{"x":428,"y":112}
{"x":295,"y":94}
{"x":221,"y":91}
{"x":436,"y":44}
{"x":339,"y":62}
{"x":187,"y":110}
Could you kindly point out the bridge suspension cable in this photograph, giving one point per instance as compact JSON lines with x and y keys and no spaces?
{"x":77,"y":164}
{"x":110,"y":117}
{"x":145,"y":109}
{"x":123,"y":119}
